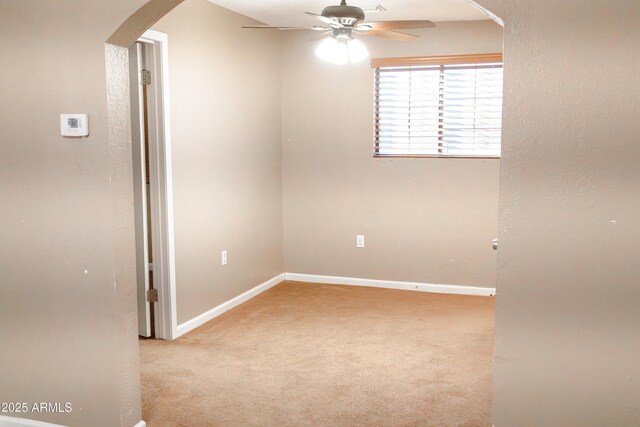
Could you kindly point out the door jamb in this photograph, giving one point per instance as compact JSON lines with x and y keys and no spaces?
{"x":140,"y":189}
{"x":160,"y":161}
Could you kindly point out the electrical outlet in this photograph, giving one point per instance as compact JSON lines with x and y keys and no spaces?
{"x":224,"y":257}
{"x":360,"y":241}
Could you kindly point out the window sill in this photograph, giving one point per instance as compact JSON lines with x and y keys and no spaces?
{"x":430,"y":156}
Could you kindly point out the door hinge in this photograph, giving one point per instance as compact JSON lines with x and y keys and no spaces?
{"x":152,"y":295}
{"x":145,"y":77}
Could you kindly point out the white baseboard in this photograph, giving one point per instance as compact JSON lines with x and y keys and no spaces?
{"x":406,"y":286}
{"x":190,"y":325}
{"x":23,"y":422}
{"x":6,"y":421}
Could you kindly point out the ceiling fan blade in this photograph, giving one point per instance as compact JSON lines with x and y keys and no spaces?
{"x":329,"y":21}
{"x":391,"y":35}
{"x":399,"y":25}
{"x":268,"y":27}
{"x":362,"y":28}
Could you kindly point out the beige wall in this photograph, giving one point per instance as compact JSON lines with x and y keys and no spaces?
{"x":67,"y":304}
{"x":567,"y":341}
{"x":227,"y":163}
{"x":424,"y":220}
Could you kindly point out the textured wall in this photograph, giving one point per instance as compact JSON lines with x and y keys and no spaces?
{"x":227,"y":163}
{"x":119,"y":136}
{"x":67,"y":304}
{"x":567,"y":341}
{"x":424,"y":220}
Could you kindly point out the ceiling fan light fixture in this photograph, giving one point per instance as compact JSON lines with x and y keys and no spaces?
{"x":357,"y":51}
{"x":333,"y":50}
{"x":342,"y":50}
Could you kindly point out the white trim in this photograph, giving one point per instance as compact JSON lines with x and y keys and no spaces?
{"x":23,"y":422}
{"x":136,"y":65}
{"x":141,"y":423}
{"x":164,"y":260}
{"x":190,"y":325}
{"x":406,"y":286}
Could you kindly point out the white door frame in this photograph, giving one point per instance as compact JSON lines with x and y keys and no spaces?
{"x":161,"y":200}
{"x":136,"y":65}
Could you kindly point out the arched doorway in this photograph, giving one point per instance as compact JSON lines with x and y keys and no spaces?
{"x":116,"y":56}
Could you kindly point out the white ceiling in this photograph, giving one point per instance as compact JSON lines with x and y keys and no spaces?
{"x":290,"y":12}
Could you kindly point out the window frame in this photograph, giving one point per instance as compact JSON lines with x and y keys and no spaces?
{"x":377,"y":63}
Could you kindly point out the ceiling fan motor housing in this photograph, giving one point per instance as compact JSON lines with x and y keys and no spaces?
{"x":346,"y":15}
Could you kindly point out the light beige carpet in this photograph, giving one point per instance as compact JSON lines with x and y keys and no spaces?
{"x":325,"y":355}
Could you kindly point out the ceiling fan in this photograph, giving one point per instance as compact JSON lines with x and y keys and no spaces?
{"x":341,"y":22}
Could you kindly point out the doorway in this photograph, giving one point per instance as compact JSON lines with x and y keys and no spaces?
{"x":151,"y":153}
{"x":150,"y":342}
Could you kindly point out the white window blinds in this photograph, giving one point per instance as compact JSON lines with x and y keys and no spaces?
{"x":441,"y":110}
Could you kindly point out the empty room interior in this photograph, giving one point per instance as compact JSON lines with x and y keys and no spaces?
{"x":308,"y":213}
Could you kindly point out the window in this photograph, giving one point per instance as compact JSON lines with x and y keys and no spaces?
{"x":438,"y":106}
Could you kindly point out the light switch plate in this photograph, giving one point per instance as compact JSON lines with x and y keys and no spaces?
{"x":75,"y":125}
